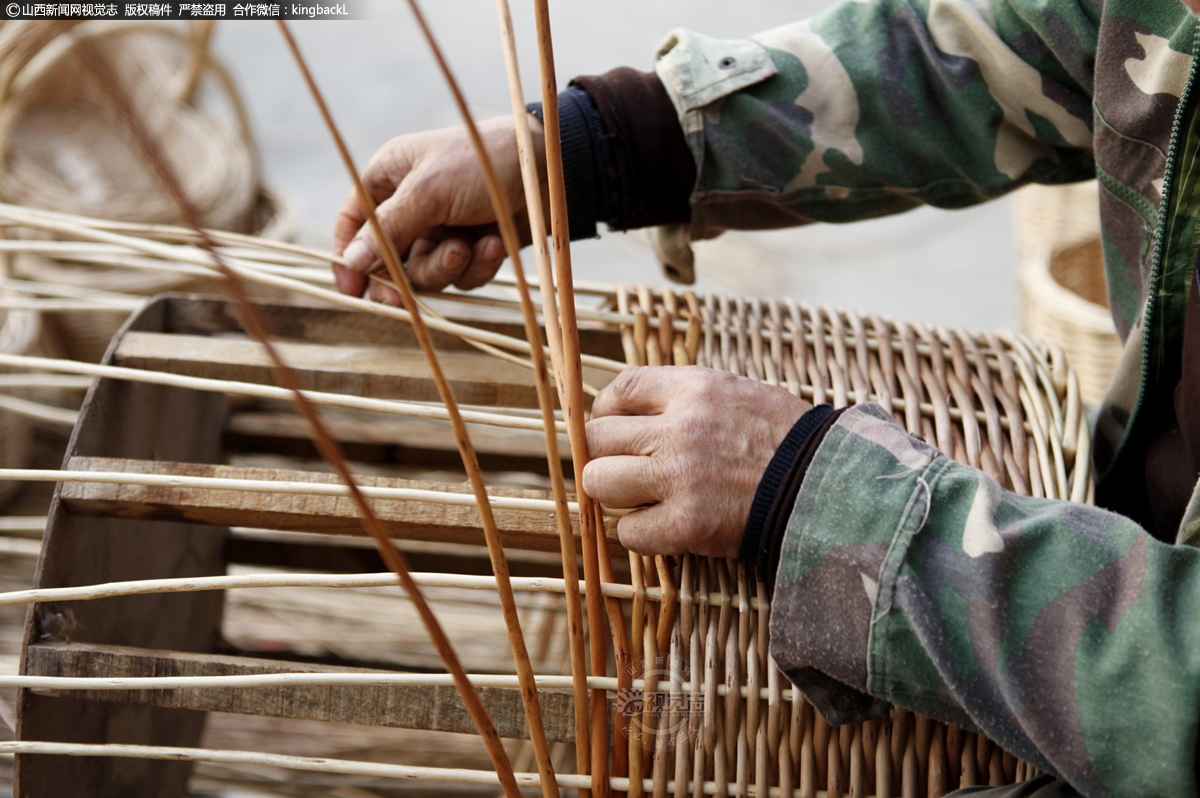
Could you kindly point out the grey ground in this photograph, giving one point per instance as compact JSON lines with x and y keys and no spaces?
{"x":952,"y":268}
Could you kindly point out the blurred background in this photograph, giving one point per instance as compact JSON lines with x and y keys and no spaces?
{"x":945,"y":267}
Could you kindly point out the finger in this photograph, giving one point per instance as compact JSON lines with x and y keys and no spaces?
{"x":432,"y":266}
{"x":616,"y":435}
{"x":347,"y":281}
{"x":381,"y":177}
{"x":644,"y":390}
{"x":382,"y":293}
{"x":486,"y":257}
{"x":622,"y":481}
{"x":648,"y":531}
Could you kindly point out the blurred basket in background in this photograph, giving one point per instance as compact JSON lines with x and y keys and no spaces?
{"x":1063,"y":298}
{"x":65,"y":145}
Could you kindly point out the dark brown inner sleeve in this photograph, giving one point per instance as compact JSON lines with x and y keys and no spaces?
{"x":653,"y":172}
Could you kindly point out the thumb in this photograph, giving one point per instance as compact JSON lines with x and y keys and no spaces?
{"x":401,"y":218}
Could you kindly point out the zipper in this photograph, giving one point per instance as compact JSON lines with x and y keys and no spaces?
{"x":1154,"y":286}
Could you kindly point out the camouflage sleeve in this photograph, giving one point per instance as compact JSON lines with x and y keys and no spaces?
{"x":1062,"y":631}
{"x":878,"y":106}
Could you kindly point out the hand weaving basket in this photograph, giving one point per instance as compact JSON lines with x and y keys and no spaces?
{"x":709,"y":708}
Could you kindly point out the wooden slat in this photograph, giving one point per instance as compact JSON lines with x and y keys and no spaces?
{"x":329,"y":514}
{"x":430,"y":708}
{"x":381,"y":372}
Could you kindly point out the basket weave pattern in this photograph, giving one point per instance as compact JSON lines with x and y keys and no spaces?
{"x":997,"y":402}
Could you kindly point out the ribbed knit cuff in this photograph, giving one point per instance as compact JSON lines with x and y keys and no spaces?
{"x":777,"y":470}
{"x":585,"y":152}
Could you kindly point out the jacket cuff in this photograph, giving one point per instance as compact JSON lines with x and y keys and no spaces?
{"x":863,"y":488}
{"x":652,"y":170}
{"x":585,"y":155}
{"x":777,"y":490}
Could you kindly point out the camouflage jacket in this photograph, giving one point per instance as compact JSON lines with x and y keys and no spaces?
{"x":1064,"y":632}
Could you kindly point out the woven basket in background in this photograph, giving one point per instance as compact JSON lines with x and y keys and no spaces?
{"x":1064,"y":302}
{"x":1063,"y":296}
{"x":66,"y":146}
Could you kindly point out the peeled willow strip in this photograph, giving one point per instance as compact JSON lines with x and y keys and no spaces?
{"x":39,"y":411}
{"x":396,"y":407}
{"x":69,"y":305}
{"x":197,"y":262}
{"x":350,"y":767}
{"x":291,"y":488}
{"x":524,"y":584}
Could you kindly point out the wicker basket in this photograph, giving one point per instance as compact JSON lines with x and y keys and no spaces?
{"x":1055,"y":217}
{"x":65,"y":145}
{"x":1064,"y":301}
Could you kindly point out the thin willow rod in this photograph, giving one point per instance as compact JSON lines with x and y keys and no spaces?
{"x":573,"y":404}
{"x":508,"y":233}
{"x":329,"y":448}
{"x":224,"y":238}
{"x":69,"y":305}
{"x":251,"y":681}
{"x":21,"y":547}
{"x":197,"y":263}
{"x":395,"y":407}
{"x":288,"y":488}
{"x":533,"y":201}
{"x":346,"y":766}
{"x":529,"y":695}
{"x":44,"y":381}
{"x":39,"y":411}
{"x":62,"y":290}
{"x":524,"y":584}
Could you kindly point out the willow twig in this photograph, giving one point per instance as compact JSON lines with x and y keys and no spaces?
{"x":570,"y":554}
{"x":491,"y":533}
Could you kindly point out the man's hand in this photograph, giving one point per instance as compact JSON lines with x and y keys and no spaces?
{"x":688,"y":445}
{"x":433,"y":203}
